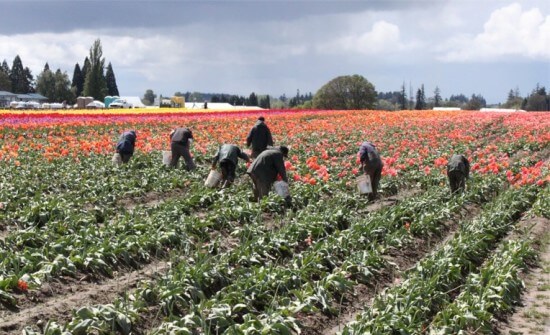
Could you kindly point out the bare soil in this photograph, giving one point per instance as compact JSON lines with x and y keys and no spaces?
{"x":533,"y":316}
{"x":57,"y":299}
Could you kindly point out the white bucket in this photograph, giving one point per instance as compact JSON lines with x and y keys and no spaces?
{"x":117,"y":160}
{"x":282,"y":189}
{"x":364,"y":184}
{"x":166,"y":157}
{"x":213,"y":179}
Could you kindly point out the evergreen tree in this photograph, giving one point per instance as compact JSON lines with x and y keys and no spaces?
{"x":252,"y":100}
{"x":78,"y":81}
{"x":17,"y":76}
{"x":403,"y":97}
{"x":437,"y":97}
{"x":29,"y":80}
{"x":420,"y":99}
{"x":95,"y":84}
{"x":5,"y":82}
{"x":85,"y":69}
{"x":112,"y":88}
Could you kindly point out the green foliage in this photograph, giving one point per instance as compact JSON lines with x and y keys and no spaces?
{"x":95,"y":84}
{"x":346,"y":92}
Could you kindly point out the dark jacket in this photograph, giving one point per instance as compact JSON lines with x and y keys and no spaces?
{"x":231,"y":153}
{"x":459,"y":163}
{"x":368,"y":154}
{"x":126,"y":142}
{"x":181,"y":135}
{"x":268,"y":165}
{"x":259,"y":137}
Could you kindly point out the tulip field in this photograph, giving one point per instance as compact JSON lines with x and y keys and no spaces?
{"x":89,"y":247}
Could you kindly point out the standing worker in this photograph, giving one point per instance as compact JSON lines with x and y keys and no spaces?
{"x":259,"y":137}
{"x":458,"y":170}
{"x":265,"y":169}
{"x":181,"y":139}
{"x":228,"y":156}
{"x":371,"y":165}
{"x":125,"y":145}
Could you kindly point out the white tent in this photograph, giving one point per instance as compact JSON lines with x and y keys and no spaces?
{"x":95,"y":104}
{"x":135,"y":101}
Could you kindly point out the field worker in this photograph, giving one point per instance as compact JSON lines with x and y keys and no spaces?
{"x":259,"y":137}
{"x":458,"y":170}
{"x":265,"y":169}
{"x":125,"y":145}
{"x":181,"y":139}
{"x":371,"y":165}
{"x":228,"y":156}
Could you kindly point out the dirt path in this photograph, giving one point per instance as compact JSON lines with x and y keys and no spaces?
{"x":533,"y":317}
{"x":56,"y":300}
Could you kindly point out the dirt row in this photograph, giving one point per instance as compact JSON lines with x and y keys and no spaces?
{"x":533,"y":315}
{"x":361,"y":298}
{"x":56,"y":299}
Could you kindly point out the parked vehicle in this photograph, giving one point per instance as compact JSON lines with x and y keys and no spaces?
{"x":120,"y":103}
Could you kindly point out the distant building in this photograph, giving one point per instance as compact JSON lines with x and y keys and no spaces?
{"x":446,"y":108}
{"x":501,"y":110}
{"x":6,"y":98}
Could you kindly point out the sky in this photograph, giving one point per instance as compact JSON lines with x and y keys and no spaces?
{"x":277,"y":47}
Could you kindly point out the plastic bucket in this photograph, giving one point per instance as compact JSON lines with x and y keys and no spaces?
{"x":282,"y":189}
{"x":213,"y":179}
{"x":364,"y":184}
{"x":166,"y":157}
{"x":117,"y":160}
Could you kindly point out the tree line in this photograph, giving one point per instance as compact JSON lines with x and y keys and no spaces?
{"x":93,"y":79}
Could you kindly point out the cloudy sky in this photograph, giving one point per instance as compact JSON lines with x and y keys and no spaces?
{"x":273,"y":47}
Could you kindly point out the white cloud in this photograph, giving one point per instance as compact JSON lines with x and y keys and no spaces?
{"x":383,"y":38}
{"x":509,"y":32}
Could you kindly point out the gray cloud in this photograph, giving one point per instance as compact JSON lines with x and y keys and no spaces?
{"x":278,"y":47}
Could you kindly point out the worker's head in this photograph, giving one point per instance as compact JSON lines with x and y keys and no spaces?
{"x":261,"y":118}
{"x":284,"y":150}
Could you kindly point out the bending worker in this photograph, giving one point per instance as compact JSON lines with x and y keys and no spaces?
{"x":265,"y":169}
{"x":228,"y":156}
{"x":371,"y":165}
{"x":259,"y":137}
{"x":181,"y":139}
{"x":458,"y":170}
{"x":125,"y":145}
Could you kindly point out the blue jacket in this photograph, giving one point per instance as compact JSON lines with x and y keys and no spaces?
{"x":126,"y":142}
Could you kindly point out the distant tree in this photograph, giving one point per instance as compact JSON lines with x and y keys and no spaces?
{"x":538,"y":100}
{"x":112,"y":88}
{"x":514,"y":99}
{"x":265,"y":102}
{"x":95,"y":84}
{"x":78,"y":81}
{"x":55,"y":86}
{"x":403,"y":97}
{"x":45,"y":84}
{"x":252,"y":100}
{"x":5,"y":82}
{"x":215,"y":98}
{"x":420,"y":99}
{"x":437,"y":97}
{"x":5,"y":68}
{"x":476,"y":102}
{"x":85,"y":69}
{"x":46,"y":67}
{"x":149,"y":97}
{"x":21,"y":78}
{"x":346,"y":92}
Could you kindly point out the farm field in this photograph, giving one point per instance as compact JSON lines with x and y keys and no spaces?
{"x":87,"y":247}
